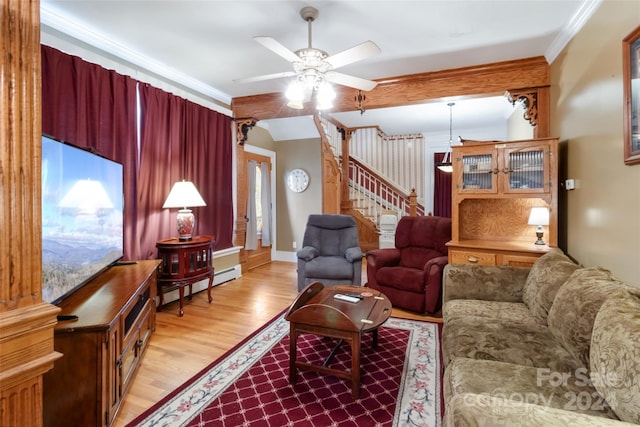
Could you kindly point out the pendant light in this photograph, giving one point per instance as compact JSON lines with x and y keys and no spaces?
{"x":445,"y":165}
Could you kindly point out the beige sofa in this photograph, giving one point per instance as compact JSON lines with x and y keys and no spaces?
{"x":554,"y":345}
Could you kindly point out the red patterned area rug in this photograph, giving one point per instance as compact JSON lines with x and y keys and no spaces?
{"x":249,"y":386}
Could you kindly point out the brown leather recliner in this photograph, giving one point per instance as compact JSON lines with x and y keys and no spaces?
{"x":411,"y":273}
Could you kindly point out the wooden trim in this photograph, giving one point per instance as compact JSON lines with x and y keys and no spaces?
{"x":26,"y":346}
{"x":478,"y":80}
{"x":26,"y":323}
{"x":331,"y":175}
{"x":261,"y":255}
{"x":240,"y":237}
{"x":243,"y":126}
{"x":20,"y":160}
{"x":537,"y":108}
{"x":345,"y":156}
{"x":631,"y":154}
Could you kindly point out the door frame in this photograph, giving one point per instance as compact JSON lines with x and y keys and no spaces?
{"x":274,"y":197}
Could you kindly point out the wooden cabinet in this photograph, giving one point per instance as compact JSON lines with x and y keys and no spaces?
{"x":514,"y":254}
{"x":522,"y":168}
{"x":494,"y":186}
{"x":103,"y":347}
{"x":184,"y":262}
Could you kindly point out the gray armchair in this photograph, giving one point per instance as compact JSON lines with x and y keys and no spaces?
{"x":330,"y":252}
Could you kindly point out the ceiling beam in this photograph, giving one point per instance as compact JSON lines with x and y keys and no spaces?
{"x":474,"y":81}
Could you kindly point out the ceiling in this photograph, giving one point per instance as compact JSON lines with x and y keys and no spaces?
{"x":206,"y":45}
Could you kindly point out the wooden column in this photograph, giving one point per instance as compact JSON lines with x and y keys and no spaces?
{"x":243,"y":126}
{"x":413,"y":203}
{"x":346,"y":205}
{"x":331,"y":175}
{"x":543,"y":129}
{"x":26,"y":323}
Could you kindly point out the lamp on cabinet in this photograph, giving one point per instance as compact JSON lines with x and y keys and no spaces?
{"x":184,"y":195}
{"x":539,"y":216}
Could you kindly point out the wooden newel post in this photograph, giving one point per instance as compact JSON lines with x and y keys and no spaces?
{"x":413,"y":203}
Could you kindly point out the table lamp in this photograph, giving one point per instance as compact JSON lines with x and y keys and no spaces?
{"x":539,"y":217}
{"x":184,"y":195}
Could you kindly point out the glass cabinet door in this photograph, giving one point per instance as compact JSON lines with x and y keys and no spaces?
{"x":477,"y":172}
{"x":526,"y":170}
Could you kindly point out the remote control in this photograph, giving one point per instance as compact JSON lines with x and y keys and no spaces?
{"x":347,"y":298}
{"x":354,"y":295}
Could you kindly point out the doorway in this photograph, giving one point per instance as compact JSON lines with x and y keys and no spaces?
{"x":260,"y":238}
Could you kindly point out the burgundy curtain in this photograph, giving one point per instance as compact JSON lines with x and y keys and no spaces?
{"x":208,"y":164}
{"x":92,"y":107}
{"x":161,"y":161}
{"x":182,"y":140}
{"x":89,"y":106}
{"x":441,"y":189}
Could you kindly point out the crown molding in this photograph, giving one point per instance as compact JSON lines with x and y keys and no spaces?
{"x":65,"y":25}
{"x":571,"y":29}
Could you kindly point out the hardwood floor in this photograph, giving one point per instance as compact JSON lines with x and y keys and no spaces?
{"x":183,"y":346}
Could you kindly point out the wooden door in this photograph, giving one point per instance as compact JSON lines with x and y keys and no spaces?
{"x":261,"y":255}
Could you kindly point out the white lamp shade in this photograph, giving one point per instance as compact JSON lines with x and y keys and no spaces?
{"x":539,"y":216}
{"x":184,"y":194}
{"x":325,"y":96}
{"x":295,"y":91}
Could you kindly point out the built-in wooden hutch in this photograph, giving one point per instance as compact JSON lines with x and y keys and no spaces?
{"x":495,"y":184}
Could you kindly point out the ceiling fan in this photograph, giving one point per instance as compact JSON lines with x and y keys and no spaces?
{"x":314,"y":67}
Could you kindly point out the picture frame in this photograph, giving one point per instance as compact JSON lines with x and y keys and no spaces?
{"x":631,"y":82}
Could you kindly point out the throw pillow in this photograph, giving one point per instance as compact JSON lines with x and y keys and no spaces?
{"x":546,"y":276}
{"x":574,"y":310}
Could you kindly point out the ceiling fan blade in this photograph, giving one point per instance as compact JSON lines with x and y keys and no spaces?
{"x":265,"y":77}
{"x":351,"y":81}
{"x":356,"y":53}
{"x":277,"y":47}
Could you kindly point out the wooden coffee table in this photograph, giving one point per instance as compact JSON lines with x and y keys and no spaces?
{"x":316,"y":311}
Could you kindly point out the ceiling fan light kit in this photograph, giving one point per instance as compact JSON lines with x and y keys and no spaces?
{"x":314,"y":68}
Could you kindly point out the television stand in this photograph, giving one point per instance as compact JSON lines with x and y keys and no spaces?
{"x":102,"y":348}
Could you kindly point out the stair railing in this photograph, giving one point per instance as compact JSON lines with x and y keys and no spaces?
{"x":379,"y":192}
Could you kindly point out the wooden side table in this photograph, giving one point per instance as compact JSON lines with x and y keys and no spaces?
{"x":184,"y":262}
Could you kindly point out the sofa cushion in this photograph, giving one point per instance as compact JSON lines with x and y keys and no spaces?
{"x":484,"y":282}
{"x":405,"y":278}
{"x":511,"y":311}
{"x":574,"y":310}
{"x":615,"y":355}
{"x":470,"y":409}
{"x":547,"y":274}
{"x":520,"y":383}
{"x":506,"y":341}
{"x":329,"y":267}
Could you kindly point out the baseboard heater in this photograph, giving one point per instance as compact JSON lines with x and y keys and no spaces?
{"x":219,"y":277}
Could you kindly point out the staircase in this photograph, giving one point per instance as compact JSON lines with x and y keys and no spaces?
{"x":369,"y":193}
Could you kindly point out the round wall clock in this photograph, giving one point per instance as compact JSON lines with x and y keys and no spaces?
{"x":298,"y":180}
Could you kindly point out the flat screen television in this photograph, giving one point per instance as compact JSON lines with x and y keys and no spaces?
{"x":82,"y":217}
